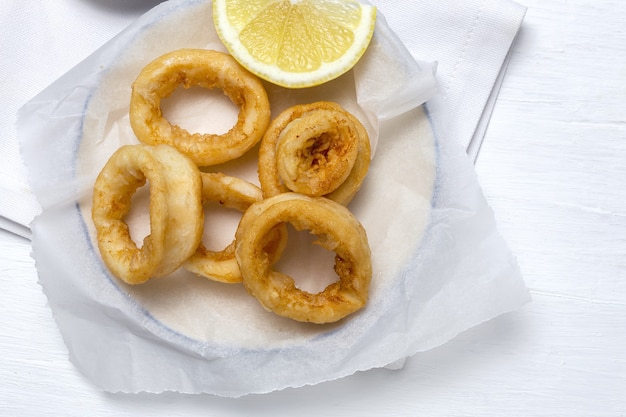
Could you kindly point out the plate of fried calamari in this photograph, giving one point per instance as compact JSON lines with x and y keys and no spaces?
{"x":205,"y":230}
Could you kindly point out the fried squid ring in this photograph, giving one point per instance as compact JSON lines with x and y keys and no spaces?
{"x":176,"y":215}
{"x":208,"y":69}
{"x":338,"y":230}
{"x":235,"y":193}
{"x":316,"y":149}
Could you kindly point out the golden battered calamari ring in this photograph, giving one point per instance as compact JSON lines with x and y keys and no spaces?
{"x":338,"y":230}
{"x":316,"y":152}
{"x":208,"y":69}
{"x":235,"y":193}
{"x":317,"y":149}
{"x":176,"y":215}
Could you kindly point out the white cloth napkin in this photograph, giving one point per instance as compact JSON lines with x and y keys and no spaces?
{"x":42,"y":39}
{"x":470,"y":40}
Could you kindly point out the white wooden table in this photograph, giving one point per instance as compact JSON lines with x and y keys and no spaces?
{"x":553,"y":167}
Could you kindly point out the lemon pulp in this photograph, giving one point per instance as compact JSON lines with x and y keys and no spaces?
{"x":297,"y":43}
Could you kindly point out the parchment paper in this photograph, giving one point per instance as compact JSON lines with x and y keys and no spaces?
{"x":440,"y":266}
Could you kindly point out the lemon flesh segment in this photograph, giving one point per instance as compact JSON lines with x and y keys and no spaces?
{"x":297,"y":43}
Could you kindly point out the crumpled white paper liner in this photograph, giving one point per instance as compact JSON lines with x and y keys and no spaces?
{"x":440,"y":266}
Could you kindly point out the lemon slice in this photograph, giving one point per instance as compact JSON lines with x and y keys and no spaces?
{"x":295,"y":43}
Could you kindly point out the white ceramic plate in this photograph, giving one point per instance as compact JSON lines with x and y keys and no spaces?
{"x":189,"y":334}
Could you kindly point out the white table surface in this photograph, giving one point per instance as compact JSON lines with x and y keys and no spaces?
{"x":553,"y":167}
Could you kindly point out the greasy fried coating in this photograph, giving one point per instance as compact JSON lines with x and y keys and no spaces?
{"x":234,"y":193}
{"x":316,"y":152}
{"x":207,"y":69}
{"x":176,"y":215}
{"x":337,"y":229}
{"x":316,"y":149}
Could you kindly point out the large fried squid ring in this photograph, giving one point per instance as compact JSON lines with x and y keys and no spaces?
{"x":338,"y":230}
{"x":208,"y":69}
{"x":176,"y":214}
{"x":316,"y":149}
{"x":234,"y":193}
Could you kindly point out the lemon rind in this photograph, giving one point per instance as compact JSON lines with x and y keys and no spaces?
{"x":326,"y":72}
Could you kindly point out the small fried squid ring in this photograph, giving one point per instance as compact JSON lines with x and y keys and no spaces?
{"x":176,"y":215}
{"x":316,"y":149}
{"x":235,"y":193}
{"x":208,"y":69}
{"x":338,"y":230}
